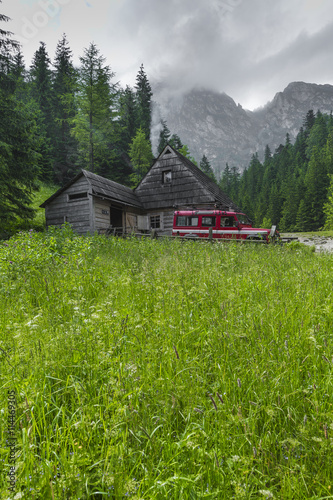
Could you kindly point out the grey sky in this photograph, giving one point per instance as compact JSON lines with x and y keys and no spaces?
{"x":249,"y":49}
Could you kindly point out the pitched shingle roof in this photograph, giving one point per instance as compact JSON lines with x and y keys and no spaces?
{"x":189,"y":186}
{"x":220,"y":196}
{"x":112,"y":190}
{"x":102,"y":187}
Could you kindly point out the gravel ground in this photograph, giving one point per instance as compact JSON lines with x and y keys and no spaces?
{"x":322,"y":244}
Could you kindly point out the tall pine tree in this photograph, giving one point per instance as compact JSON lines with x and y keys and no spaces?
{"x":42,"y":93}
{"x":206,"y":167}
{"x":164,"y":136}
{"x":64,"y":87}
{"x":144,"y":97}
{"x":128,"y":117}
{"x":18,"y":141}
{"x":93,"y":124}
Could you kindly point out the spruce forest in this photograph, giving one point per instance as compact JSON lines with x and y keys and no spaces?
{"x":293,"y":187}
{"x":57,"y":118}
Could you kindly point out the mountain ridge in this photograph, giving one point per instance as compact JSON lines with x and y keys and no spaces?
{"x":213,"y":124}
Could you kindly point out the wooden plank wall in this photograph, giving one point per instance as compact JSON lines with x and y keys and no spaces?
{"x":102,"y":220}
{"x":166,"y":220}
{"x":75,"y":212}
{"x":131,"y":223}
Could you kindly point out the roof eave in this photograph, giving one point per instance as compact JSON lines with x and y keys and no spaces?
{"x":60,"y":190}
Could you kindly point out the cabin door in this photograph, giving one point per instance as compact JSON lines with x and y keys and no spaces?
{"x":116,"y":219}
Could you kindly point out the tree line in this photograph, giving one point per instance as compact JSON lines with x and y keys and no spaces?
{"x":292,"y":187}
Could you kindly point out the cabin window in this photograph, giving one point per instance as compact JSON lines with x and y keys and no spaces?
{"x":208,"y":221}
{"x":155,"y":221}
{"x":167,"y":177}
{"x":182,"y":220}
{"x":77,"y":196}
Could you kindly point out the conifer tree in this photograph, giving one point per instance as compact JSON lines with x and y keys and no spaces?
{"x":42,"y":93}
{"x":64,"y":86}
{"x":225,"y":181}
{"x":317,"y":136}
{"x":328,"y":207}
{"x":176,"y":142}
{"x":8,"y":49}
{"x":267,"y":156}
{"x":290,"y":206}
{"x":94,"y":129}
{"x":144,"y":97}
{"x":328,"y":152}
{"x":19,"y":141}
{"x":18,"y":66}
{"x":316,"y":189}
{"x":19,"y":74}
{"x":41,"y":86}
{"x":309,"y":121}
{"x":163,"y":137}
{"x":128,"y":117}
{"x":141,"y":156}
{"x":234,"y":183}
{"x":302,"y":217}
{"x":206,"y":167}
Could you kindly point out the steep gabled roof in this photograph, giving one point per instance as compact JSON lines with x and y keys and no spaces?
{"x":220,"y":196}
{"x":102,"y":187}
{"x":112,"y":190}
{"x":189,"y":187}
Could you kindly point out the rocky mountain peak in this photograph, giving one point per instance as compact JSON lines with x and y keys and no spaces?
{"x":211,"y":123}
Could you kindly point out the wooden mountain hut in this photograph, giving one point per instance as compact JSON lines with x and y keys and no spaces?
{"x":92,"y":203}
{"x":174,"y":182}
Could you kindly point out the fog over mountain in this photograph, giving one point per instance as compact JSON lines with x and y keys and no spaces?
{"x":213,"y":124}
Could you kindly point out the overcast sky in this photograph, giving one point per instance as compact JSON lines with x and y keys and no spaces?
{"x":249,"y":49}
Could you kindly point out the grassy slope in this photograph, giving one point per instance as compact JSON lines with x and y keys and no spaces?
{"x":150,"y":369}
{"x":45,"y":191}
{"x":38,"y":222}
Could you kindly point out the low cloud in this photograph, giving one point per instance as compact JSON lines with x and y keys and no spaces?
{"x":250,"y":50}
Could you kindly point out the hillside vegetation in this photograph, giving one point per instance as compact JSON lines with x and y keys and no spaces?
{"x":41,"y":193}
{"x":293,"y":187}
{"x":165,"y":369}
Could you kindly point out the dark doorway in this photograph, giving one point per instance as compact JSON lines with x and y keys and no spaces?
{"x":116,"y":219}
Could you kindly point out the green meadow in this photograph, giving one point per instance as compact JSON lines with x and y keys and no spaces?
{"x":159,"y":369}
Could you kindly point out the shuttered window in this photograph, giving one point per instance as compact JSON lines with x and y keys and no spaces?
{"x":77,"y":196}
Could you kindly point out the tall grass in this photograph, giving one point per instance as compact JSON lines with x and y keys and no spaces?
{"x":166,"y":369}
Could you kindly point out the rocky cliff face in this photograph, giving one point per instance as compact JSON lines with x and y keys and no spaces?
{"x":213,"y":124}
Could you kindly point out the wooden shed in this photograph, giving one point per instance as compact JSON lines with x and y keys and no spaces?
{"x":92,"y":203}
